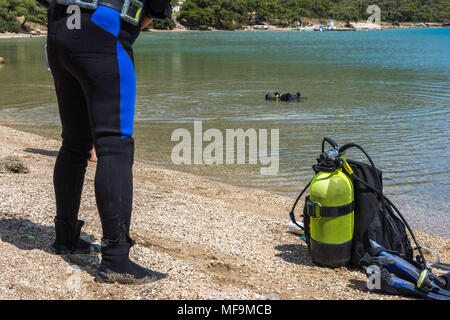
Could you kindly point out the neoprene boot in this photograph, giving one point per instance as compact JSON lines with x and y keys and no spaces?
{"x":68,"y":240}
{"x":116,"y":265}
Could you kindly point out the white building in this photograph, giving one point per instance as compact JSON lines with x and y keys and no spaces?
{"x":177,"y":8}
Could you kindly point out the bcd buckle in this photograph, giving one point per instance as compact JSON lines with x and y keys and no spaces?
{"x":132,"y":11}
{"x":87,"y":4}
{"x":311,"y":209}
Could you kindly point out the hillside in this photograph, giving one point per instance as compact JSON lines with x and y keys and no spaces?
{"x":15,"y":15}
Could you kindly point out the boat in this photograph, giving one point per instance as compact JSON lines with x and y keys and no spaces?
{"x":261,"y":27}
{"x":317,"y":27}
{"x":330,"y":26}
{"x":307,"y":28}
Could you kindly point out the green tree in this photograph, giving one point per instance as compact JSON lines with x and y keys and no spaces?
{"x":8,"y":20}
{"x":234,"y":14}
{"x":194,"y":15}
{"x":29,"y":9}
{"x":163,"y":24}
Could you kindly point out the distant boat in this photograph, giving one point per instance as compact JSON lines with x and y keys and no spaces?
{"x":317,"y":27}
{"x":306,"y":29}
{"x":261,"y":27}
{"x":330,"y":26}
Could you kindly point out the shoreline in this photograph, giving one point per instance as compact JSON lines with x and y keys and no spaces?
{"x":21,"y":35}
{"x":361,"y":27}
{"x":419,"y":224}
{"x":213,"y":240}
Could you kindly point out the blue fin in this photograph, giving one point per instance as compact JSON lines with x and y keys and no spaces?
{"x":394,"y":285}
{"x":399,"y":266}
{"x":405,"y":273}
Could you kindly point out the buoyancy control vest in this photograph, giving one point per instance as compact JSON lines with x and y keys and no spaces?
{"x":346,"y":209}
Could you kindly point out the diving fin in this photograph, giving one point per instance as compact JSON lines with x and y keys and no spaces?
{"x":394,"y":285}
{"x":421,"y":279}
{"x":446,"y":278}
{"x":398,"y":266}
{"x":428,"y":282}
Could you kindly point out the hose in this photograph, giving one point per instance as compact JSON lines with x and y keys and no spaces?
{"x":331,"y":142}
{"x":291,"y":214}
{"x":383,"y":197}
{"x":436,"y":264}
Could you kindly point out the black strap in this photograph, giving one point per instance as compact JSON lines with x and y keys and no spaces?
{"x":114,"y":4}
{"x":328,"y":212}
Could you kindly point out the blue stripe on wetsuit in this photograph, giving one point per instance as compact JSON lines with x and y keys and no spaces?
{"x":127,"y":91}
{"x":109,"y":19}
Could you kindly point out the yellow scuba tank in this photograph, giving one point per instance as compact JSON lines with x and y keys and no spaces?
{"x":331,"y":218}
{"x":329,"y":210}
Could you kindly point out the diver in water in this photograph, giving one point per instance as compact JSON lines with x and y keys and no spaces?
{"x":95,"y":82}
{"x":274,"y":97}
{"x":283,"y":97}
{"x":290,"y":97}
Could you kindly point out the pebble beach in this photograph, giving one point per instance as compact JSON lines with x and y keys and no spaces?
{"x":212,"y":240}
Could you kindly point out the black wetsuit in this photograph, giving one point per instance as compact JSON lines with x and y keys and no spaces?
{"x":95,"y":83}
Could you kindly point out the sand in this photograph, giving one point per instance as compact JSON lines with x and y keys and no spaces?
{"x":213,"y":240}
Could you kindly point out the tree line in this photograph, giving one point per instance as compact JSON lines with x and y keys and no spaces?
{"x":234,"y":14}
{"x":30,"y":10}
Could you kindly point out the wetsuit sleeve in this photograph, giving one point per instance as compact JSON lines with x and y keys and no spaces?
{"x":160,"y":9}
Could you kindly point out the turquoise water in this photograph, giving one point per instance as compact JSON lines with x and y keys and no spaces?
{"x":385,"y":90}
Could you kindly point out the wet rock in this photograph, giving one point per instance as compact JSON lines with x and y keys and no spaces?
{"x":13,"y":164}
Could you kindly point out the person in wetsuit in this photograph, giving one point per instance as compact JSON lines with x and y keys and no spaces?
{"x":95,"y":82}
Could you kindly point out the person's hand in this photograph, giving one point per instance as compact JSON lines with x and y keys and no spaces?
{"x":93,"y":156}
{"x":145,"y":22}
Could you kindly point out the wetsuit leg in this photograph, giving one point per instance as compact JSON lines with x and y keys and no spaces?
{"x":99,"y":57}
{"x":71,"y":162}
{"x":72,"y":158}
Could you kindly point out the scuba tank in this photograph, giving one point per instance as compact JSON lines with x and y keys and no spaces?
{"x":346,"y":208}
{"x":347,"y":219}
{"x":330,"y":210}
{"x":331,"y":218}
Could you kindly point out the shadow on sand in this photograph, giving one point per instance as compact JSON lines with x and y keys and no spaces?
{"x":28,"y":235}
{"x":296,"y":253}
{"x":48,"y":153}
